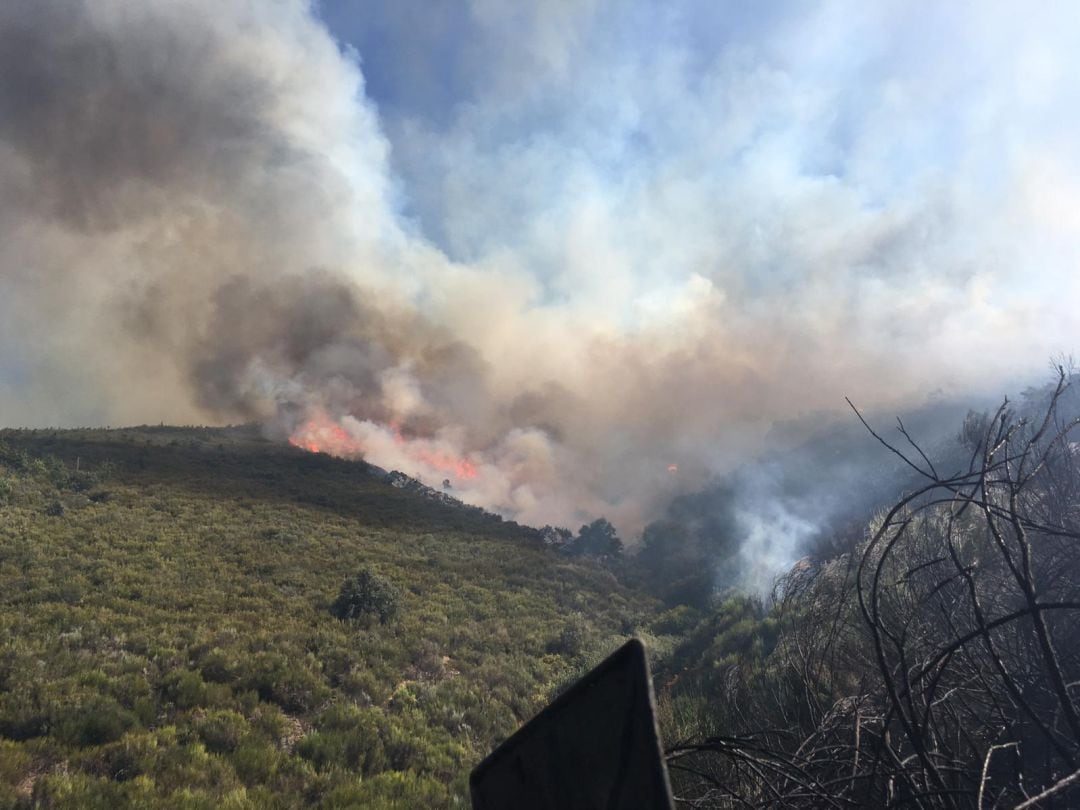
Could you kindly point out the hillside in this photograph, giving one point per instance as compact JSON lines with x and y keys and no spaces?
{"x":166,"y":634}
{"x":203,"y":618}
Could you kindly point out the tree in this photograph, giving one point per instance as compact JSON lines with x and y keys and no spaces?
{"x":597,"y":539}
{"x":366,"y":593}
{"x":556,"y":536}
{"x":934,"y":666}
{"x":674,"y":564}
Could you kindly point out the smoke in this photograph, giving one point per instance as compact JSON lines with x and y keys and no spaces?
{"x":815,"y":497}
{"x":545,"y":256}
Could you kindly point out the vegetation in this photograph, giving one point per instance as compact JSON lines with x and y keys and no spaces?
{"x":365,"y":593}
{"x":934,"y":665}
{"x":202,"y":618}
{"x":170,"y":631}
{"x":596,"y":539}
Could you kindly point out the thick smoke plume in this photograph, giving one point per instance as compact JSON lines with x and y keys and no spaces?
{"x":590,"y":280}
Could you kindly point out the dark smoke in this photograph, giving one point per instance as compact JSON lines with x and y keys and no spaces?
{"x":200,"y":222}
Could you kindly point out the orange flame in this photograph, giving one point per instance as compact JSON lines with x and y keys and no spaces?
{"x":443,"y":462}
{"x":321,"y":434}
{"x":461,"y":467}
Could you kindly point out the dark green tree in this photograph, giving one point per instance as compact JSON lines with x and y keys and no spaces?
{"x":598,"y":539}
{"x":675,"y":563}
{"x":366,"y":593}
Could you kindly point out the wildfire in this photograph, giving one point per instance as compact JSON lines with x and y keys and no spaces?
{"x":322,"y":434}
{"x":443,"y":462}
{"x":460,"y":467}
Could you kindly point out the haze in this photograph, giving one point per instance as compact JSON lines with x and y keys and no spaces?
{"x":593,"y":251}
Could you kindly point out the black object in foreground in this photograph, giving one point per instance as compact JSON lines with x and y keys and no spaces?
{"x":596,"y":747}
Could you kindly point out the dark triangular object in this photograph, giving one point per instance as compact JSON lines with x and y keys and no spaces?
{"x":596,"y":747}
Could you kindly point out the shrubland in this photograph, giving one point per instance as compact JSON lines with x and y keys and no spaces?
{"x":932,"y":664}
{"x":201,"y":618}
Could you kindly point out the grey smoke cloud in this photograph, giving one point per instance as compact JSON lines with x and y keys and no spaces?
{"x":150,"y":153}
{"x":616,"y":243}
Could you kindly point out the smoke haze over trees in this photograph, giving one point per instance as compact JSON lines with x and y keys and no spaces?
{"x":930,"y":665}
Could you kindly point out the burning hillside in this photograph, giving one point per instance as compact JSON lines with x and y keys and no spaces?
{"x":321,"y":434}
{"x":560,"y":289}
{"x":351,"y":438}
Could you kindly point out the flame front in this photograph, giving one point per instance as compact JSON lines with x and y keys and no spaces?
{"x":459,"y":467}
{"x":437,"y":460}
{"x":320,"y":433}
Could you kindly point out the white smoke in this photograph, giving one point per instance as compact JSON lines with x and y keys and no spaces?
{"x":615,"y":241}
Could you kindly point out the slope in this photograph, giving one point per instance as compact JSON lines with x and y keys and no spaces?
{"x":166,"y":638}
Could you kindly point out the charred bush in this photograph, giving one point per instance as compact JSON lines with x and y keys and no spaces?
{"x":933,"y":666}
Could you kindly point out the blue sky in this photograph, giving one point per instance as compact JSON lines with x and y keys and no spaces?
{"x":510,"y":121}
{"x":766,"y":206}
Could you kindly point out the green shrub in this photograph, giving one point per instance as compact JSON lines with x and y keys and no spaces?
{"x":268,"y":722}
{"x":22,"y":715}
{"x":366,"y":593}
{"x":7,"y":489}
{"x":134,"y":755}
{"x":255,"y":762}
{"x":87,"y":793}
{"x":221,"y":731}
{"x":78,"y":480}
{"x":145,"y":710}
{"x":14,"y":763}
{"x":184,"y":688}
{"x":284,"y":681}
{"x":217,"y":668}
{"x":348,"y":738}
{"x":365,"y":687}
{"x":571,"y":640}
{"x":97,"y":721}
{"x":394,"y":790}
{"x":676,"y":621}
{"x":192,"y":768}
